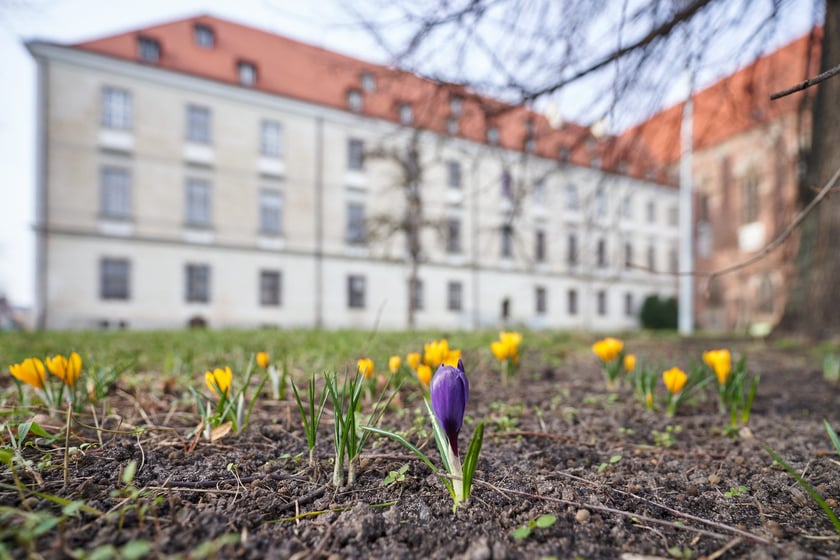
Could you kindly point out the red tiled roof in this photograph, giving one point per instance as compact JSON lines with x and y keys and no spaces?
{"x":297,"y":70}
{"x":735,"y":103}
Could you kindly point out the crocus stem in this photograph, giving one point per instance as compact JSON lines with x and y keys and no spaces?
{"x":457,"y":480}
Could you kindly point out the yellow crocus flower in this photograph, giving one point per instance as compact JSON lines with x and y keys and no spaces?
{"x":219,"y":380}
{"x":365,"y":366}
{"x":451,"y":358}
{"x":629,"y":362}
{"x":394,"y":363}
{"x":68,"y":370}
{"x":608,"y":349}
{"x":721,"y":363}
{"x":30,"y":371}
{"x":424,"y":374}
{"x":675,"y":380}
{"x":263,"y":359}
{"x":436,"y":352}
{"x":499,"y":349}
{"x":413,"y":359}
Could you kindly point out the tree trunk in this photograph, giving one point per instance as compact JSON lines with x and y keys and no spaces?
{"x":813,"y":291}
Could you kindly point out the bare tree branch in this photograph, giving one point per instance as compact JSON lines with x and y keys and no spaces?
{"x":807,"y":83}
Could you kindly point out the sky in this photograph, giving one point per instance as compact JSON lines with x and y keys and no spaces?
{"x":325,"y":23}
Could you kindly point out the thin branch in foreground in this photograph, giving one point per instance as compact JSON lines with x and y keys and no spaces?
{"x":634,"y":516}
{"x":807,"y":83}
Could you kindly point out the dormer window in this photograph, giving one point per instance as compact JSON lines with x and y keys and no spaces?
{"x":452,"y":126}
{"x":247,"y":73}
{"x":406,"y":114}
{"x":530,"y":144}
{"x":148,"y":49}
{"x":354,"y":100}
{"x":368,"y":82}
{"x":563,"y":154}
{"x":203,"y":36}
{"x":493,"y":136}
{"x":456,"y":104}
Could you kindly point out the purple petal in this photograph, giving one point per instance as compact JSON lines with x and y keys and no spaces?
{"x":449,"y":391}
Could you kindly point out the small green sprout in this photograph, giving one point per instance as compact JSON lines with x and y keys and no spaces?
{"x":542,"y":522}
{"x":613,"y":460}
{"x":395,"y":476}
{"x":736,"y":491}
{"x":667,"y":437}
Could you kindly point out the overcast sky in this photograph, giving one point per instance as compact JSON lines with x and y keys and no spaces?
{"x":321,"y":22}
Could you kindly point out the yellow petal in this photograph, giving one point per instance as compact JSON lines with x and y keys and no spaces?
{"x":629,"y":362}
{"x":675,"y":380}
{"x":262,"y":359}
{"x":413,"y":359}
{"x":394,"y":364}
{"x":30,"y":371}
{"x":500,"y":350}
{"x":424,"y":374}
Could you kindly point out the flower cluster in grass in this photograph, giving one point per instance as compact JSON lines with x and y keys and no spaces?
{"x":735,"y":387}
{"x":232,"y":410}
{"x":506,"y":351}
{"x":68,"y":382}
{"x":611,"y":353}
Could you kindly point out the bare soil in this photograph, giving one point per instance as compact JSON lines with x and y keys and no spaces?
{"x":694,"y":494}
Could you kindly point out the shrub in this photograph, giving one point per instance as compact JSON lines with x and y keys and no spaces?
{"x":659,"y":313}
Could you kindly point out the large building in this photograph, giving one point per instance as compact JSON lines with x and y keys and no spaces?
{"x":203,"y":171}
{"x":746,"y":169}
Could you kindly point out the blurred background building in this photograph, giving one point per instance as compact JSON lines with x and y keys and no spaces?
{"x":748,"y":154}
{"x":205,"y":172}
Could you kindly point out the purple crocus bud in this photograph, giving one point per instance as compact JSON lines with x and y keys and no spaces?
{"x":449,"y":391}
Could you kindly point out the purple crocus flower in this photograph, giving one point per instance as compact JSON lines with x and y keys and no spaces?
{"x":449,"y":391}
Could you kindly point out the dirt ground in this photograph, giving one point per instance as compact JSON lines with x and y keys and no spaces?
{"x":621,"y":483}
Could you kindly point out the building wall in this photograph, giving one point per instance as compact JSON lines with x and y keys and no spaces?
{"x":316,"y":186}
{"x":727,"y":232}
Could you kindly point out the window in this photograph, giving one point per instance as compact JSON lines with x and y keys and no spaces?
{"x":368,"y":82}
{"x":198,"y":283}
{"x":627,"y":208}
{"x":507,"y":240}
{"x":355,"y":154}
{"x":766,"y":303}
{"x":270,"y":287}
{"x":452,"y":126}
{"x":600,"y":203}
{"x":751,"y":199}
{"x":271,"y":139}
{"x":628,"y":304}
{"x":355,"y":223}
{"x":628,"y":255}
{"x":601,"y":297}
{"x":571,"y":250}
{"x":673,"y":216}
{"x":541,"y":300}
{"x":453,"y":175}
{"x":507,"y":185}
{"x":539,"y":191}
{"x":454,"y":293}
{"x":602,"y":253}
{"x":356,"y":291}
{"x":529,"y":145}
{"x":406,"y":113}
{"x":673,"y":260}
{"x":115,"y":192}
{"x":198,"y":204}
{"x":453,"y":235}
{"x":148,"y":49}
{"x":539,"y":245}
{"x":198,"y":124}
{"x":247,"y":73}
{"x":271,"y":212}
{"x":116,"y":108}
{"x":651,"y":212}
{"x":114,"y":280}
{"x":456,"y":106}
{"x":354,"y":100}
{"x":572,"y":202}
{"x":571,"y":302}
{"x":416,"y":293}
{"x":493,"y":136}
{"x":203,"y":36}
{"x":651,"y":257}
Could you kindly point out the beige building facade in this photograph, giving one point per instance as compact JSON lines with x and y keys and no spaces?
{"x":167,"y":198}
